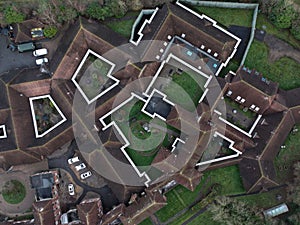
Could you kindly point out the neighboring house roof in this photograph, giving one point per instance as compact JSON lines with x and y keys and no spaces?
{"x":90,"y":211}
{"x":43,"y":213}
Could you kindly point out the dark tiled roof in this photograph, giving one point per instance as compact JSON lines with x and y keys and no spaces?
{"x":90,"y":211}
{"x":43,"y":213}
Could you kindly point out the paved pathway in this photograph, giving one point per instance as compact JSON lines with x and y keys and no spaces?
{"x":21,"y":173}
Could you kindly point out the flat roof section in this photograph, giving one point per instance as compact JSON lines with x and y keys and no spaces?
{"x":93,"y":77}
{"x":46,"y":115}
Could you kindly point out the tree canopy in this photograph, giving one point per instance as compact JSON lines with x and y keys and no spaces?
{"x":11,"y":15}
{"x":233,"y":212}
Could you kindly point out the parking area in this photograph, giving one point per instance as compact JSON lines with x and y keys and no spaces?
{"x":12,"y":60}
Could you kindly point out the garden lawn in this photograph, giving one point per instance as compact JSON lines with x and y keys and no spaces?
{"x":282,"y":71}
{"x":122,"y":27}
{"x":227,"y":17}
{"x":179,"y":198}
{"x":205,"y":219}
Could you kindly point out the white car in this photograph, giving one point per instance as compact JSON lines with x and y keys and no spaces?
{"x":85,"y":175}
{"x":41,"y":61}
{"x":40,"y":52}
{"x":73,"y":160}
{"x":81,"y":166}
{"x":71,"y":189}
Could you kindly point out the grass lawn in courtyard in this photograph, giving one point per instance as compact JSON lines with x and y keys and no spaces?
{"x":288,"y":156}
{"x":13,"y":192}
{"x":281,"y":71}
{"x":192,"y":88}
{"x":92,"y":77}
{"x":143,"y":145}
{"x":227,"y":17}
{"x":179,"y":198}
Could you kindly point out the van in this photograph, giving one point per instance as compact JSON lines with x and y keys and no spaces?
{"x":26,"y":47}
{"x":40,"y":52}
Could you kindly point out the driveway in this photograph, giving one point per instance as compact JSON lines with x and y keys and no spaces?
{"x":11,"y":60}
{"x":107,"y":196}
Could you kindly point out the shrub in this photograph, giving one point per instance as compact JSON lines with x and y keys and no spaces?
{"x":11,"y":15}
{"x":282,"y":14}
{"x":98,"y":12}
{"x":50,"y":31}
{"x":295,"y":30}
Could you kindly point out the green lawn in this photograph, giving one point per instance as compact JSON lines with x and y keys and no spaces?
{"x":146,"y":222}
{"x":192,"y":88}
{"x":13,"y":192}
{"x":284,"y":34}
{"x":204,"y":219}
{"x":179,"y":198}
{"x":122,"y":27}
{"x":227,"y":17}
{"x":281,"y":71}
{"x":288,"y":156}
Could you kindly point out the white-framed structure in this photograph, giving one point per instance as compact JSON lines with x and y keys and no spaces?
{"x":3,"y":134}
{"x":37,"y":134}
{"x":109,"y":75}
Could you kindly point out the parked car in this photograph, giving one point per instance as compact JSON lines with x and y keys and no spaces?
{"x":71,"y":189}
{"x":40,"y":52}
{"x":81,"y":166}
{"x":41,"y":61}
{"x":85,"y":175}
{"x":73,"y":160}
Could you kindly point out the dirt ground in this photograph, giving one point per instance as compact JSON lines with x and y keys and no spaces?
{"x":279,"y":49}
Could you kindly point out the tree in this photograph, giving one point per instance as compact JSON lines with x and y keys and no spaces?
{"x":282,"y":14}
{"x":66,"y":13}
{"x":96,"y":11}
{"x":11,"y":15}
{"x":118,"y":8}
{"x":232,"y":212}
